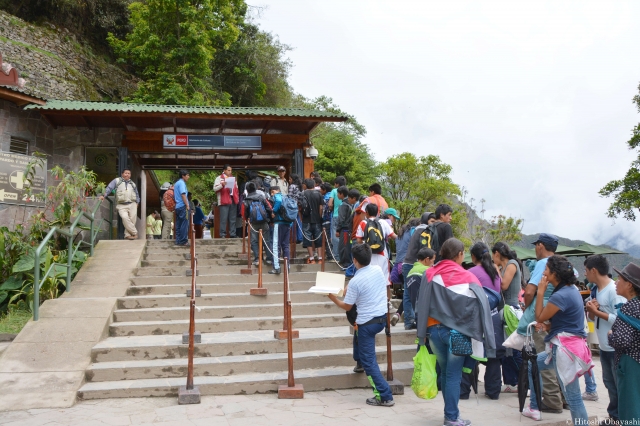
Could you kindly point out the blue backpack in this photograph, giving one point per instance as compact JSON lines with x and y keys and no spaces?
{"x":288,"y":209}
{"x":257,"y":212}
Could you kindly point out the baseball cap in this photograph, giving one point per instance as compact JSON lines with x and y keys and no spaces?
{"x":547,"y":239}
{"x":165,"y":185}
{"x":392,"y":212}
{"x":282,"y":168}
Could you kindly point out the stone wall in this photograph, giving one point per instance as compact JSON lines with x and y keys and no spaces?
{"x":56,"y":66}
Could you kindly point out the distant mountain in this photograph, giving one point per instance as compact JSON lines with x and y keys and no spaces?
{"x":619,"y":242}
{"x":617,"y":261}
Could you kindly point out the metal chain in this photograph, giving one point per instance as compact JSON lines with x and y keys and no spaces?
{"x":334,"y":256}
{"x":305,"y":237}
{"x":265,"y":245}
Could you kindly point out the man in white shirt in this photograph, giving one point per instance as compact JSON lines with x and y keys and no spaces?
{"x":368,"y":291}
{"x":602,"y":310}
{"x":384,"y":230}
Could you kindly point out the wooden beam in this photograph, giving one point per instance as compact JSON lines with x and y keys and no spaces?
{"x":49,"y":120}
{"x":221,"y":129}
{"x":85,"y":120}
{"x":169,"y":163}
{"x":124,"y":123}
{"x":267,"y":127}
{"x":175,"y":126}
{"x":19,"y":98}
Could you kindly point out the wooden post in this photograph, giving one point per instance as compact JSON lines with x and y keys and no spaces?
{"x":248,"y":270}
{"x":324,"y":248}
{"x":286,"y":325}
{"x":259,"y":291}
{"x":244,"y":236}
{"x":290,"y":390}
{"x":397,"y":387}
{"x":190,"y":394}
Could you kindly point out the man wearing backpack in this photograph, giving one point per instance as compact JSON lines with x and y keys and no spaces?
{"x":167,"y":207}
{"x":374,"y":232}
{"x":127,"y":200}
{"x":312,"y":220}
{"x":258,"y":212}
{"x":281,"y":230}
{"x":181,"y":228}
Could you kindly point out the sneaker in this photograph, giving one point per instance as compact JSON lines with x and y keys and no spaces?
{"x":509,"y":389}
{"x":268,"y":262}
{"x":590,"y":396}
{"x":256,"y":263}
{"x":458,"y":422}
{"x":531,"y":413}
{"x":311,"y":261}
{"x":380,"y":403}
{"x":394,"y":319}
{"x":275,"y":271}
{"x":411,"y":326}
{"x":358,"y":368}
{"x":495,"y":398}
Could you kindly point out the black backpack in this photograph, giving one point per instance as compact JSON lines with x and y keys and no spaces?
{"x":429,"y":238}
{"x":303,"y":205}
{"x":374,"y":237}
{"x":257,"y":212}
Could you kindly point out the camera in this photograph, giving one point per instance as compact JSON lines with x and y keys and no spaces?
{"x":312,"y":153}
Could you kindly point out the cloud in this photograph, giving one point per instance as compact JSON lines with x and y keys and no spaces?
{"x":530,"y":103}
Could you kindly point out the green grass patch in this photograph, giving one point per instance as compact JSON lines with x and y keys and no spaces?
{"x":13,"y":321}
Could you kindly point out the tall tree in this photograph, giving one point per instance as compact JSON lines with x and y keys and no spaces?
{"x":341,"y":151}
{"x":626,"y":191}
{"x":172,"y":44}
{"x":414,"y":184}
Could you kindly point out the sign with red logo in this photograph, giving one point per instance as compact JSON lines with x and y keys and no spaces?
{"x":182,"y":140}
{"x":212,"y":142}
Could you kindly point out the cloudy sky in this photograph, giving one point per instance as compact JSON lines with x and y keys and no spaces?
{"x":530,"y":102}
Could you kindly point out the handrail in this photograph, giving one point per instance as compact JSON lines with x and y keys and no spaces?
{"x":192,"y":318}
{"x":71,"y":251}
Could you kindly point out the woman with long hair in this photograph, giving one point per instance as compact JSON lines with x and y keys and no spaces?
{"x":487,"y":273}
{"x":450,"y":295}
{"x":565,"y":311}
{"x":512,"y":283}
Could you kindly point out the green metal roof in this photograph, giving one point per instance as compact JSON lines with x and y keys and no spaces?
{"x":59,"y":105}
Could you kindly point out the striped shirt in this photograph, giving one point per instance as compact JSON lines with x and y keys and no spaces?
{"x":368,"y":290}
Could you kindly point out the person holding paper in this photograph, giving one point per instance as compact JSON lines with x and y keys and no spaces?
{"x":368,"y":290}
{"x":227,"y":190}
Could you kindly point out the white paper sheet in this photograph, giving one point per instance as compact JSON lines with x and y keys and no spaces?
{"x":231,"y":183}
{"x":328,"y":283}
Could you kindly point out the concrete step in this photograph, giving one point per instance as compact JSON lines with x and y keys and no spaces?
{"x":214,"y":299}
{"x":207,"y":242}
{"x":218,"y":325}
{"x":223,"y":278}
{"x":249,"y":383}
{"x":228,"y":267}
{"x":132,"y":348}
{"x":165,"y":257}
{"x":211,"y":312}
{"x":167,"y":289}
{"x":202,"y":263}
{"x":229,"y":249}
{"x":234,"y":365}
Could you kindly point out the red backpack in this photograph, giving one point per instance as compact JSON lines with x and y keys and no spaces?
{"x":169,"y":201}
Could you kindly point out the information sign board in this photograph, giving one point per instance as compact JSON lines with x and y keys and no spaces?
{"x":12,"y":186}
{"x":212,"y":142}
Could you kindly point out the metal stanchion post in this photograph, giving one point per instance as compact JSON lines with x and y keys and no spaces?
{"x":244,"y":236}
{"x":290,"y":390}
{"x":259,"y":291}
{"x":397,"y":387}
{"x":286,"y":325}
{"x":190,"y":394}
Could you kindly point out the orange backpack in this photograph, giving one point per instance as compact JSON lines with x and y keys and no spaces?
{"x":169,"y":201}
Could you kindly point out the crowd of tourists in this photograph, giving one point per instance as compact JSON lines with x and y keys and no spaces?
{"x":487,"y":312}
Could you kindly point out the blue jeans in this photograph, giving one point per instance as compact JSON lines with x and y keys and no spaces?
{"x":571,"y":391}
{"x":409,"y":314}
{"x":266,"y":240}
{"x":366,"y":341}
{"x":451,"y":369}
{"x":280,"y":241}
{"x":590,"y":382}
{"x":610,"y":380}
{"x":335,"y":241}
{"x":182,"y":225}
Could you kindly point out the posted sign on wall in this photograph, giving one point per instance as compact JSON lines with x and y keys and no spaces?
{"x":12,"y":184}
{"x":212,"y":142}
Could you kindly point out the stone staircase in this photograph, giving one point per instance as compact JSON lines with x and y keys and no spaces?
{"x":144,"y":354}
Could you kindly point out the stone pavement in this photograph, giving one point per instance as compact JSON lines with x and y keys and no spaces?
{"x":317,"y":408}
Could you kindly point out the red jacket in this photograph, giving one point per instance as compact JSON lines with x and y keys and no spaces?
{"x":224,"y":194}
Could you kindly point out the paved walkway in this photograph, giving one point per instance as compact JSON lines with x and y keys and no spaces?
{"x":317,"y":408}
